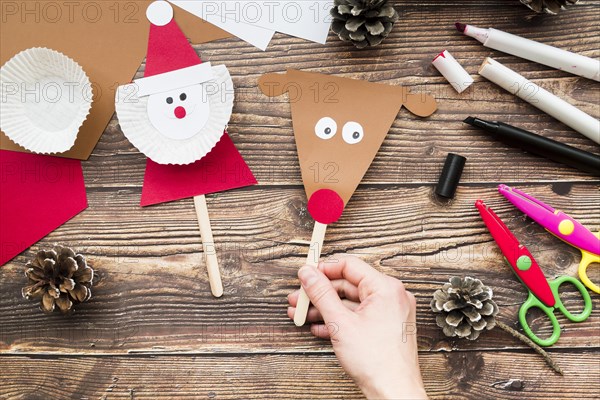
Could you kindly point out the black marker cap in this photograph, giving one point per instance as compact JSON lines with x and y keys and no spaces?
{"x":450,"y":177}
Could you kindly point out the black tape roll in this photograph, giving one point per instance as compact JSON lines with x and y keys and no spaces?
{"x":450,"y":177}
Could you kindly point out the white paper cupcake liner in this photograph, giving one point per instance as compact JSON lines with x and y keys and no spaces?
{"x":45,"y":97}
{"x":134,"y":121}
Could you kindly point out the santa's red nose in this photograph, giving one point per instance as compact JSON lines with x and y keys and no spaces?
{"x":325,"y":206}
{"x":180,"y":112}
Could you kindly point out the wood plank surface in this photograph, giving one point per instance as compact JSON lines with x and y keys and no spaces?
{"x":473,"y":375}
{"x":152,"y":283}
{"x":152,"y":329}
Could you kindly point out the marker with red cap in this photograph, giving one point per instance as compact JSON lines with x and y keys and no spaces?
{"x":534,"y":51}
{"x":454,"y":73}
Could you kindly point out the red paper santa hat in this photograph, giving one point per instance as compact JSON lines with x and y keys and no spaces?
{"x":168,"y":48}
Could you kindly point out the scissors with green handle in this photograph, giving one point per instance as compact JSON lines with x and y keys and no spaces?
{"x":543,"y":294}
{"x":533,"y":302}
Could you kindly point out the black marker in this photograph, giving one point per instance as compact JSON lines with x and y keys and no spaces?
{"x":540,"y":145}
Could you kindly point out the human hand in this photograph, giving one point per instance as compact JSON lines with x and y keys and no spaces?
{"x":370,"y":319}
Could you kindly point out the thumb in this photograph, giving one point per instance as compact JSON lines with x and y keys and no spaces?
{"x":321,"y":293}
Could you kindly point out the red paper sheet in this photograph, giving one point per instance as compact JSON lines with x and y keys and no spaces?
{"x":221,"y":169}
{"x":37,"y":195}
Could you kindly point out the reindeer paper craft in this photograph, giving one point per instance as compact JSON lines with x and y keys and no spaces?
{"x":339,"y":125}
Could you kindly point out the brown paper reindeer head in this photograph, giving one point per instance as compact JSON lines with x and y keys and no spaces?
{"x":339,"y":125}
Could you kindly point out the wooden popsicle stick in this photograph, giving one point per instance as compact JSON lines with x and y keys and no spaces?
{"x":314,"y":253}
{"x":208,"y":246}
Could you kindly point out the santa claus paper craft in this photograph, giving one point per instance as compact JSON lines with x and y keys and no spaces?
{"x":107,"y":38}
{"x":178,"y":111}
{"x":177,"y":115}
{"x":337,"y":138}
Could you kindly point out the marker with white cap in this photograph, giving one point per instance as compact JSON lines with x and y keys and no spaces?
{"x":551,"y":104}
{"x":534,"y":51}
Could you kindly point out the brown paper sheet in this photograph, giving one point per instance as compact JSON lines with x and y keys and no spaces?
{"x":107,"y":38}
{"x":334,"y":164}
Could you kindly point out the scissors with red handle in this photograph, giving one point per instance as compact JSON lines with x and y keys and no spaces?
{"x":543,"y":294}
{"x":561,"y":225}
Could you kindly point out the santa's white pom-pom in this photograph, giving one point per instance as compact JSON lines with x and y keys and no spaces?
{"x":159,"y":13}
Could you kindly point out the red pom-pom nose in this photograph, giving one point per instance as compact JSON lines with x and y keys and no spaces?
{"x":325,"y":206}
{"x":180,"y":112}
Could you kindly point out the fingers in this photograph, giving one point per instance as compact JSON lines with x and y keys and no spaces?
{"x":344,"y":290}
{"x":412,"y":316}
{"x":322,"y":294}
{"x":353,"y":269}
{"x":314,"y":315}
{"x":325,"y":331}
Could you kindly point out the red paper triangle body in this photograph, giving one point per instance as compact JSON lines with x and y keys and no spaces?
{"x":221,"y":169}
{"x":38,"y":194}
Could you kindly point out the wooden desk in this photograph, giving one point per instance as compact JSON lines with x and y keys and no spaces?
{"x":152,"y":329}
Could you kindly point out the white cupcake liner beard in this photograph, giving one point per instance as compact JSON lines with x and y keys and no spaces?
{"x":137,"y":127}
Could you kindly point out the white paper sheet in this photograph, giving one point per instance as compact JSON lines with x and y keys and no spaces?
{"x":306,"y":19}
{"x":255,"y":35}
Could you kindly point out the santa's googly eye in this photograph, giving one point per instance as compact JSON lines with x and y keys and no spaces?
{"x":169,"y":100}
{"x":326,"y":128}
{"x":353,"y":132}
{"x":183,"y":96}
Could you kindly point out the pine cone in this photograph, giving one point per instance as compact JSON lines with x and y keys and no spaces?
{"x":465,"y":306}
{"x":58,"y":277}
{"x":363,"y":22}
{"x":548,"y":6}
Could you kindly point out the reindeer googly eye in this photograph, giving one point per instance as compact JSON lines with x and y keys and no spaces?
{"x":353,"y":132}
{"x":326,"y":128}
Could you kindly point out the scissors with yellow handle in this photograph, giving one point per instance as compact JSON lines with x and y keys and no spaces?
{"x":543,"y":294}
{"x":562,"y":226}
